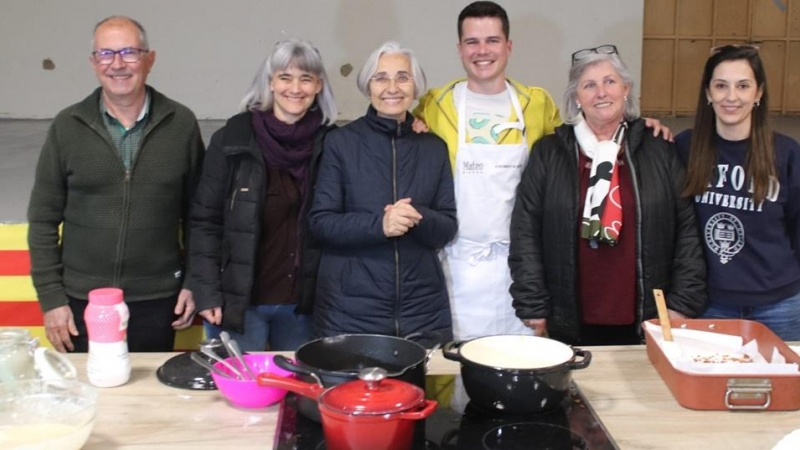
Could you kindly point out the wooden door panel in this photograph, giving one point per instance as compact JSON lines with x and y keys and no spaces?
{"x":731,"y":18}
{"x":659,"y":17}
{"x":792,"y":79}
{"x":692,"y":55}
{"x":772,"y":54}
{"x":679,"y":33}
{"x":769,"y":19}
{"x":695,"y":17}
{"x":658,"y":62}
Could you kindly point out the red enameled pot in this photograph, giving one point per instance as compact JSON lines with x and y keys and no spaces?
{"x":371,"y":413}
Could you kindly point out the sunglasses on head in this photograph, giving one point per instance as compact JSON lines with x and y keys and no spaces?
{"x":607,"y":49}
{"x":719,"y":48}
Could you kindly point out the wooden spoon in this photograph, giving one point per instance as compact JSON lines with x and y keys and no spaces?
{"x":663,"y":315}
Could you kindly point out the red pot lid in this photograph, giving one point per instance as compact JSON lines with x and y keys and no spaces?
{"x":372,"y":394}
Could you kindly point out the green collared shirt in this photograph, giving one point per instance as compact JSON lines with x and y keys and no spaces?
{"x":126,"y":140}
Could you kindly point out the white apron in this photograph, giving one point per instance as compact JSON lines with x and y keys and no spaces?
{"x":476,"y":262}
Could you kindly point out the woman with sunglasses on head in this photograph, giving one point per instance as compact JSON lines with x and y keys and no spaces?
{"x":384,"y":205}
{"x":599,"y":221}
{"x":253,"y":262}
{"x":745,"y":182}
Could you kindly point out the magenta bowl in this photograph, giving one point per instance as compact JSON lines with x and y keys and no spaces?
{"x":248,"y":393}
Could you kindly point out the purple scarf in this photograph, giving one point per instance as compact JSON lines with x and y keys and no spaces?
{"x":288,"y":146}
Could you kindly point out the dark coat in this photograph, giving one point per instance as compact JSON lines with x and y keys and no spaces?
{"x":369,"y":283}
{"x":226,"y":223}
{"x":544,"y":235}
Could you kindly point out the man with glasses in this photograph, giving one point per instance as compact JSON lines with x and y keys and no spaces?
{"x":116,"y":173}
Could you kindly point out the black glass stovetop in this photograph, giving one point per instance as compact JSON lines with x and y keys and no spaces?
{"x":574,"y":425}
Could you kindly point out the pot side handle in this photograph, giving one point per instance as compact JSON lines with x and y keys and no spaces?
{"x":427,"y":408}
{"x":287,"y":364}
{"x":582,"y":364}
{"x":309,"y":390}
{"x":450,"y":350}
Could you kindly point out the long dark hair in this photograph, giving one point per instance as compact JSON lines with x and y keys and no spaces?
{"x":760,"y":160}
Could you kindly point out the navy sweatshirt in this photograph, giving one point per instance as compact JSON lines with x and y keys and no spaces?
{"x":752,"y":250}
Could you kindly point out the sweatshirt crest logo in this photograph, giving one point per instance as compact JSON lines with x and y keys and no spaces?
{"x":724,"y":236}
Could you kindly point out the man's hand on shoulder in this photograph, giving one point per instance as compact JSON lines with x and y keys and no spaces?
{"x":659,"y":128}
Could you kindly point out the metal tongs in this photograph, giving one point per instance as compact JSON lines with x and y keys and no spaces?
{"x":211,"y":354}
{"x":233,"y":349}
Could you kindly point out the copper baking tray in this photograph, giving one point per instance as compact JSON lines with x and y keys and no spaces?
{"x":730,"y":392}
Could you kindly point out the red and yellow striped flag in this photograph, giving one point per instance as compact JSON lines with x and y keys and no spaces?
{"x":18,"y":305}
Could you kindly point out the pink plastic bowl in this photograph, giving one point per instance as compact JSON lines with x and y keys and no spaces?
{"x":247,"y":393}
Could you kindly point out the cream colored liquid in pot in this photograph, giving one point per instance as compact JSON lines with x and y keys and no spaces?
{"x":516,"y":352}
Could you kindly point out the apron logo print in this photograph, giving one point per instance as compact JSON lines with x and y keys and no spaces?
{"x":469,"y":167}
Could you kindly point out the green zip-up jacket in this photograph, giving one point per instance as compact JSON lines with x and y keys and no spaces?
{"x":119,"y":228}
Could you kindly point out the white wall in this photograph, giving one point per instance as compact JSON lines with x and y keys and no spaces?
{"x":209,"y":50}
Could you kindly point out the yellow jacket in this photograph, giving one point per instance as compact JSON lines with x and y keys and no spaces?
{"x":437,"y":109}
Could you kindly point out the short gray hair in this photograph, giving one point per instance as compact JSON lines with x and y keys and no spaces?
{"x":391,"y":48}
{"x":145,"y":44}
{"x":570,"y":113}
{"x":287,"y":53}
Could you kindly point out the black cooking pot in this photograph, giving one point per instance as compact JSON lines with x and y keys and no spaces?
{"x":516,"y":374}
{"x":334,"y":360}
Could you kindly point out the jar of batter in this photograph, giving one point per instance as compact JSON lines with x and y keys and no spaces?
{"x":16,"y":354}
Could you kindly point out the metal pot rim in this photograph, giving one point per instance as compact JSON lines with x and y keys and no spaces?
{"x":535,"y":340}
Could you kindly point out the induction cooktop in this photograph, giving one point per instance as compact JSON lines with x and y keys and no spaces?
{"x":573,"y":425}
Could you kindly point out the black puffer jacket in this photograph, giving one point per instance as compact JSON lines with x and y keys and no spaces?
{"x":369,"y":283}
{"x":543,"y":254}
{"x":226,"y":224}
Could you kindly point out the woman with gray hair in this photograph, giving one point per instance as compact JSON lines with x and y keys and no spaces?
{"x":253,"y":265}
{"x":383,"y":206}
{"x":599,"y":220}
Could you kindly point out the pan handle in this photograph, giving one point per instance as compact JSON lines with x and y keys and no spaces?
{"x":582,"y":364}
{"x":450,"y":350}
{"x":309,"y":390}
{"x":429,"y":336}
{"x":289,"y":365}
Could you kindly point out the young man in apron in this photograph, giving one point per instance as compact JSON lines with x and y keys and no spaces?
{"x":489,"y":123}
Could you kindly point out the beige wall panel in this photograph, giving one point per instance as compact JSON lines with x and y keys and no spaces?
{"x":769,"y":20}
{"x":793,"y":79}
{"x":695,"y":17}
{"x":658,"y":59}
{"x":794,"y":19}
{"x":731,"y":17}
{"x":772,"y":54}
{"x":659,"y":17}
{"x":692,"y":55}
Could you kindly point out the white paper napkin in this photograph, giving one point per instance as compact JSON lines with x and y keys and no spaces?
{"x":789,"y":442}
{"x":687,"y":345}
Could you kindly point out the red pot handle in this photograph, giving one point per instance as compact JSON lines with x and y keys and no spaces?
{"x":311,"y":390}
{"x":427,"y":407}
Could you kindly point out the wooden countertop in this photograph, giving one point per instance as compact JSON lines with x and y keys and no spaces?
{"x":620,"y":383}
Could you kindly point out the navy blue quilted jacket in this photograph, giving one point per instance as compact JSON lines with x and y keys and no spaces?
{"x":368,"y":283}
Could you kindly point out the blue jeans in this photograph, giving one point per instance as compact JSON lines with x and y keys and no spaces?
{"x":274,"y":325}
{"x":783,"y":318}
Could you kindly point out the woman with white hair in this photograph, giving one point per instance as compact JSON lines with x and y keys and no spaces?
{"x":599,"y":220}
{"x":253,"y":265}
{"x":383,"y":206}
